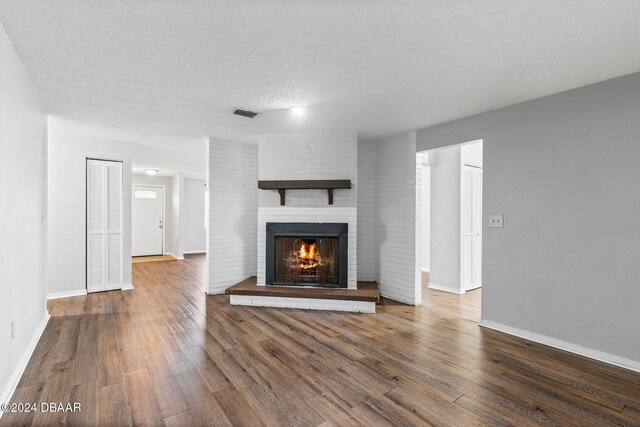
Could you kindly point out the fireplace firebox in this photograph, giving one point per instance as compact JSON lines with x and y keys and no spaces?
{"x":306,"y":254}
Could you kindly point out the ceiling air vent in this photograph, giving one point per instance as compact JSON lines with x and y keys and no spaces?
{"x":245,"y":113}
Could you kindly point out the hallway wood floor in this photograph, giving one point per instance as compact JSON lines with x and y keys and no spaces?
{"x":166,"y":354}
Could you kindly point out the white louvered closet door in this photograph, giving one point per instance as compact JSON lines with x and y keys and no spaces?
{"x":104,"y":225}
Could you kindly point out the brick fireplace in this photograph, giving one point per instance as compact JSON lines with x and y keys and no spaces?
{"x":379,"y":207}
{"x":314,"y":219}
{"x":306,"y":254}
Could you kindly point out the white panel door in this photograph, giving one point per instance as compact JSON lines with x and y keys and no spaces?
{"x":104,"y":225}
{"x":147,"y":220}
{"x":471,"y":222}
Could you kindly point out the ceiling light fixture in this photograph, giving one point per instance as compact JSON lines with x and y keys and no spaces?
{"x":151,"y":171}
{"x":297,"y":111}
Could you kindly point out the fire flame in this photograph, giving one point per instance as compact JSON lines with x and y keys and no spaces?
{"x":306,"y":258}
{"x":309,"y":253}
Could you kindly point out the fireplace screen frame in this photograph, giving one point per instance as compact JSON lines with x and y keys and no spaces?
{"x":306,"y":229}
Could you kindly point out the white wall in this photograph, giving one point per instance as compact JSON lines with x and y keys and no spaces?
{"x":233,"y":193}
{"x":445,"y":204}
{"x":137,"y":179}
{"x":66,"y":251}
{"x":329,"y":155}
{"x":170,"y":154}
{"x":563,"y":170}
{"x":367,"y":248}
{"x":23,"y":191}
{"x":426,"y":214}
{"x":67,"y":153}
{"x":471,"y":154}
{"x":177,"y":208}
{"x":398,"y":203}
{"x":194,"y":238}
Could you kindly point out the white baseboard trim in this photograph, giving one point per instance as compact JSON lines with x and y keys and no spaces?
{"x":612,"y":359}
{"x":194,"y":252}
{"x":179,"y":258}
{"x":14,"y":379}
{"x":66,"y":294}
{"x":402,"y":300}
{"x":127,"y":287}
{"x":449,"y":289}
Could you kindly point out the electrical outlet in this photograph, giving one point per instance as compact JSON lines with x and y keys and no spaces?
{"x":496,"y":221}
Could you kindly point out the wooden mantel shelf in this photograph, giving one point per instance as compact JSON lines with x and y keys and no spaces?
{"x":309,"y":184}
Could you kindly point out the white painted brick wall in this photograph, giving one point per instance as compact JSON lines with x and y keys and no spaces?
{"x":367,"y":246}
{"x":315,"y":215}
{"x":304,"y":303}
{"x":397,"y":232}
{"x":326,"y":155}
{"x":231,"y":239}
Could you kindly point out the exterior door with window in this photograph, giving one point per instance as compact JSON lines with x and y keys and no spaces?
{"x":147,"y":220}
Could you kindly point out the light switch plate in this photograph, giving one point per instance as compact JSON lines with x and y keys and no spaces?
{"x":496,"y":221}
{"x":439,"y":219}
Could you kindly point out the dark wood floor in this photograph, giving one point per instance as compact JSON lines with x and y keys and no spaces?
{"x":166,"y":354}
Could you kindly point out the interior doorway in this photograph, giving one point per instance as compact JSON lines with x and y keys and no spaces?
{"x":147,"y":220}
{"x":451,"y":205}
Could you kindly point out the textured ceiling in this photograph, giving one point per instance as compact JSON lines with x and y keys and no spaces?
{"x":378,"y":67}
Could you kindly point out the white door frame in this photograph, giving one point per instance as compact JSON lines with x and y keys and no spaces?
{"x":463,"y":167}
{"x":164,"y":222}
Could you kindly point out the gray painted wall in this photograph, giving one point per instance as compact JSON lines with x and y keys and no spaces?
{"x":565,"y":172}
{"x":367,"y":248}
